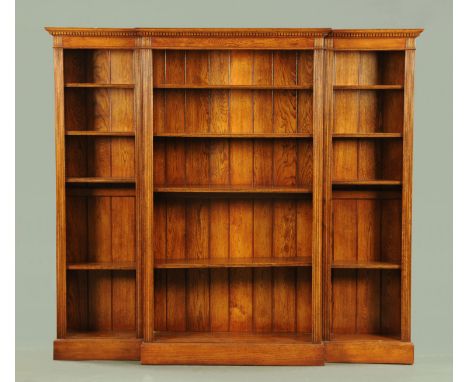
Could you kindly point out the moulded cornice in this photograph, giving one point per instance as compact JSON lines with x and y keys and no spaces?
{"x":172,"y":32}
{"x":375,"y":33}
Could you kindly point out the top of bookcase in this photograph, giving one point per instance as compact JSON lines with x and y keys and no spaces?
{"x":215,"y":38}
{"x":232,"y":32}
{"x":189,"y":32}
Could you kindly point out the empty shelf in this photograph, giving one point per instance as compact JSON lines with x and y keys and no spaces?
{"x":250,"y":262}
{"x":231,"y":337}
{"x":368,"y":87}
{"x":367,"y":135}
{"x":100,"y":180}
{"x":102,"y":266}
{"x":100,"y":133}
{"x":234,"y":87}
{"x":95,"y":85}
{"x":367,"y":265}
{"x":234,"y":135}
{"x":233,"y":190}
{"x":366,"y":182}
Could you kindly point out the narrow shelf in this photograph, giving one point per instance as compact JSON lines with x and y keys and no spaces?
{"x":234,"y":87}
{"x":366,"y":183}
{"x":100,"y":180}
{"x":102,"y":266}
{"x":368,"y":265}
{"x":368,"y":87}
{"x":100,"y":133}
{"x":364,"y":337}
{"x":231,"y":337}
{"x":96,"y":85}
{"x":102,"y":334}
{"x":232,"y":190}
{"x":367,"y":135}
{"x":250,"y":262}
{"x":228,"y":135}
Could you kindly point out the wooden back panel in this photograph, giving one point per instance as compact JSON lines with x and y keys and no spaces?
{"x":238,"y":300}
{"x":101,"y":229}
{"x":365,"y":225}
{"x":101,"y":221}
{"x":366,"y":229}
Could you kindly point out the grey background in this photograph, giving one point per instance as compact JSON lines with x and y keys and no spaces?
{"x":35,"y":182}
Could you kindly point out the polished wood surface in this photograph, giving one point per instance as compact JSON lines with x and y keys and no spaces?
{"x":234,"y":196}
{"x":235,"y":135}
{"x":234,"y":353}
{"x":235,"y":263}
{"x":113,"y":349}
{"x":369,"y":349}
{"x":367,"y":183}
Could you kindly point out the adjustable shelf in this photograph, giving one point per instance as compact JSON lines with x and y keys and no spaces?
{"x":232,"y":190}
{"x":233,"y":87}
{"x":364,"y":265}
{"x":367,"y":135}
{"x":100,"y":180}
{"x":102,"y":334}
{"x":236,"y":135}
{"x":368,"y":87}
{"x":102,"y":266}
{"x":269,"y":262}
{"x":98,"y":86}
{"x":87,"y":133}
{"x":365,"y":183}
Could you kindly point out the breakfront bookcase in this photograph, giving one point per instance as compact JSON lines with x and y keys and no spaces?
{"x":234,"y":196}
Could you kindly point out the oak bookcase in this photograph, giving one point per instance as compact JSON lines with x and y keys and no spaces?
{"x":234,"y":196}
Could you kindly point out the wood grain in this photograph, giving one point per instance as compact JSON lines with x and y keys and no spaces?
{"x":200,"y":172}
{"x":373,"y":351}
{"x":97,"y":349}
{"x":61,"y":215}
{"x":231,"y":354}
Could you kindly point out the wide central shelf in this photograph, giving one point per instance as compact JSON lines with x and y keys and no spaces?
{"x":234,"y":87}
{"x":231,"y":337}
{"x":231,"y":190}
{"x":250,"y":262}
{"x":236,"y":135}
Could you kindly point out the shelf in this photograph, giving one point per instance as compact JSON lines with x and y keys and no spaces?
{"x":368,"y":87}
{"x":226,"y":135}
{"x":102,"y":266}
{"x":100,"y":180}
{"x":230,"y":337}
{"x":364,"y":337}
{"x":366,"y":183}
{"x":234,"y":87}
{"x":100,"y":133}
{"x":232,"y":190}
{"x":125,"y":334}
{"x":368,"y":265}
{"x":234,"y":263}
{"x":367,"y":135}
{"x":95,"y":85}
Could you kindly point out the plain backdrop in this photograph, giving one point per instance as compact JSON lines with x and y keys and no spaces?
{"x":35,"y":170}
